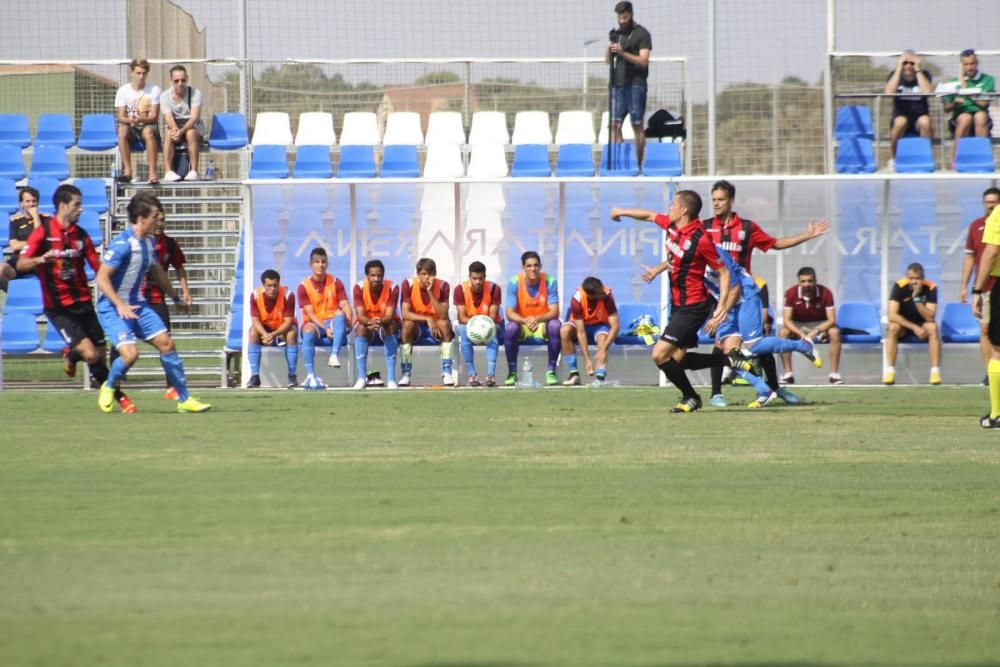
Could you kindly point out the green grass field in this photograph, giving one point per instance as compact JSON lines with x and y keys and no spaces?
{"x":505,"y":527}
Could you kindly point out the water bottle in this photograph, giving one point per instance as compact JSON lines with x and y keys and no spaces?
{"x":599,"y":384}
{"x":210,"y":173}
{"x":527,"y":374}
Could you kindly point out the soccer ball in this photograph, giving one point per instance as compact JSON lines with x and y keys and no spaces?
{"x":481,"y":329}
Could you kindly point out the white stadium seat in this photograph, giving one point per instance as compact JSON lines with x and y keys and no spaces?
{"x":444,"y":161}
{"x":402,"y":128}
{"x":273,"y":128}
{"x":315,"y":129}
{"x":360,"y":129}
{"x":489,"y":127}
{"x":575,"y":127}
{"x":487,"y":161}
{"x":445,"y":127}
{"x":531,"y":127}
{"x":628,"y":133}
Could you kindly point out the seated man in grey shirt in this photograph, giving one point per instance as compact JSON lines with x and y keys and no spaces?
{"x":180,"y":107}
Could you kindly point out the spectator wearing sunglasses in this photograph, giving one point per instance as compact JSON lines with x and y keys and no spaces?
{"x":910,"y":113}
{"x":182,"y":124}
{"x":970,"y":111}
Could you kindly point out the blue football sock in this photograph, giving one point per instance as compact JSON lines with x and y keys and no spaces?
{"x":339,"y":333}
{"x":773,"y":345}
{"x":254,"y":352}
{"x":292,"y":357}
{"x":309,"y":350}
{"x":467,"y":352}
{"x":174,"y":369}
{"x":492,"y":350}
{"x":756,"y":382}
{"x":118,"y":370}
{"x":361,"y":356}
{"x":571,"y":363}
{"x":391,"y":346}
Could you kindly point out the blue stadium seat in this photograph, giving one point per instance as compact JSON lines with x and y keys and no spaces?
{"x":662,"y":159}
{"x":853,"y":122}
{"x":55,"y":129}
{"x":623,"y":162}
{"x":855,"y":156}
{"x":94,"y":194}
{"x":51,"y":161}
{"x":399,"y":161}
{"x":14,"y":130}
{"x":959,"y":325}
{"x":20,"y":333}
{"x":269,"y":161}
{"x":11,"y":162}
{"x":90,"y":222}
{"x":356,"y":162}
{"x":46,"y":187}
{"x":531,"y":160}
{"x":861,"y":317}
{"x":313,"y":162}
{"x":23,"y":296}
{"x":229,"y":132}
{"x":974,"y":155}
{"x":53,"y":341}
{"x":575,"y":160}
{"x":628,"y":313}
{"x":98,"y":132}
{"x":8,"y":198}
{"x":913,"y":156}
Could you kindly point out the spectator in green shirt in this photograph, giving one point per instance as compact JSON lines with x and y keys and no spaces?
{"x":970,"y":113}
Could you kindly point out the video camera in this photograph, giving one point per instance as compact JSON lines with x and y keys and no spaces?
{"x":614,"y":34}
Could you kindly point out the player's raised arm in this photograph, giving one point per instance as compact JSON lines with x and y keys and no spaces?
{"x":617,"y":213}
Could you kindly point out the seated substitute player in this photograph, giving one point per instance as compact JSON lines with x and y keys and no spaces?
{"x":809,"y":313}
{"x":593,"y":318}
{"x":912,"y":308}
{"x":55,"y":252}
{"x":478,"y":296}
{"x":272,"y":322}
{"x":425,"y":313}
{"x":532,"y":312}
{"x":23,"y":222}
{"x":325,"y":313}
{"x":122,"y":307}
{"x":375,"y":300}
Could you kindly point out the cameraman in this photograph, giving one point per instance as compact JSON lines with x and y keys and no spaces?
{"x":630,"y":46}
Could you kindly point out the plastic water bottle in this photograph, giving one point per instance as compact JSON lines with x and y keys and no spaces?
{"x":527,"y":374}
{"x":599,"y":384}
{"x":210,"y":173}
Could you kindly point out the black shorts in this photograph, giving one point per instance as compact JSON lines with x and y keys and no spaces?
{"x":76,"y":323}
{"x":989,"y":124}
{"x":911,"y":122}
{"x":682,"y":327}
{"x":163,"y":311}
{"x":993,"y":312}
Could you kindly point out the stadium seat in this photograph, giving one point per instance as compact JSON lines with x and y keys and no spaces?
{"x":20,"y":332}
{"x":443,"y":161}
{"x":487,"y":161}
{"x":46,"y":187}
{"x":14,"y":130}
{"x":575,"y":160}
{"x":315,"y":129}
{"x":229,"y":132}
{"x":489,"y":127}
{"x":97,"y":132}
{"x":51,"y":161}
{"x":860,"y":317}
{"x":55,"y":129}
{"x":360,"y":129}
{"x":853,"y":122}
{"x":90,"y":222}
{"x":400,"y":161}
{"x":974,"y":155}
{"x":53,"y":342}
{"x":959,"y":325}
{"x":855,"y":156}
{"x":622,"y":160}
{"x":628,"y":132}
{"x":445,"y":127}
{"x":531,"y":160}
{"x":402,"y":128}
{"x":8,"y":200}
{"x":575,"y":127}
{"x":272,"y":128}
{"x":313,"y":162}
{"x":913,"y":156}
{"x":23,"y":296}
{"x":356,"y":161}
{"x":627,"y":314}
{"x":94,"y":194}
{"x":531,"y":127}
{"x":269,"y":161}
{"x":662,"y":159}
{"x":11,"y":162}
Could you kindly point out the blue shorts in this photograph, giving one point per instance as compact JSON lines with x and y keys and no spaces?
{"x":730,"y":326}
{"x":594,"y":329}
{"x":751,"y":319}
{"x":120,"y":332}
{"x":630,"y":101}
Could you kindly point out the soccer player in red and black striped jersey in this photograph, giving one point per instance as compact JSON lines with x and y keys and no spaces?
{"x":740,"y":237}
{"x":56,"y":252}
{"x":689,"y":252}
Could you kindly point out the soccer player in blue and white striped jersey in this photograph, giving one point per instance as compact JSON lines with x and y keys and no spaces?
{"x":122,"y":308}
